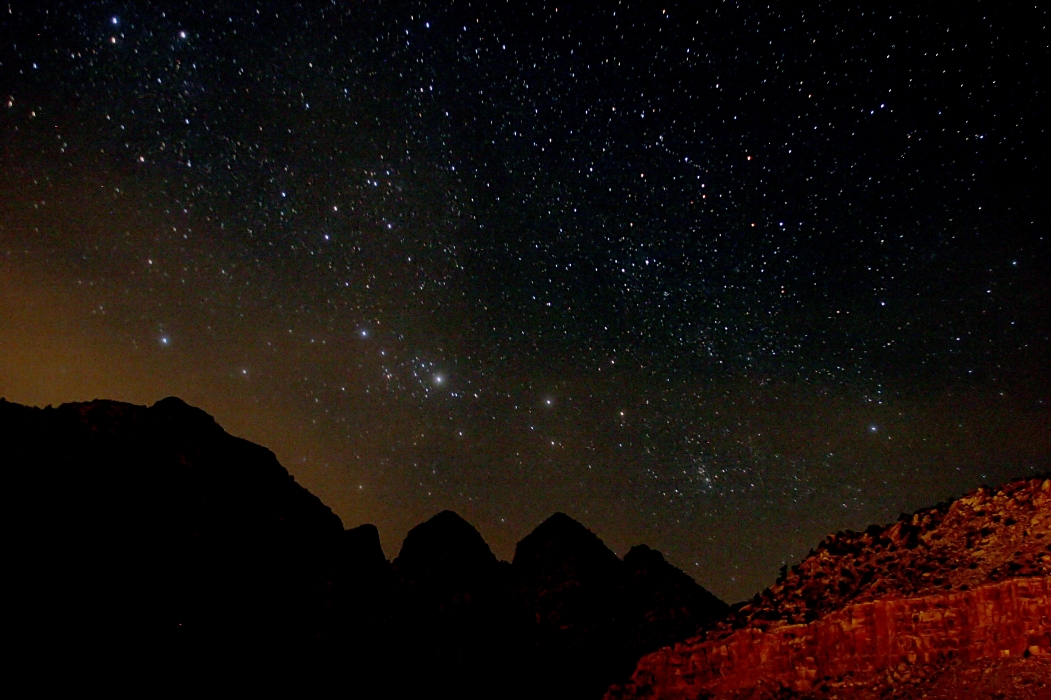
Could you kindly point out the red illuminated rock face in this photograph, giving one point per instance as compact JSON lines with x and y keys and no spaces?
{"x":945,"y":599}
{"x":995,"y":621}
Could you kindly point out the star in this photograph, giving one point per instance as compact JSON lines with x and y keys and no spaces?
{"x":512,"y":209}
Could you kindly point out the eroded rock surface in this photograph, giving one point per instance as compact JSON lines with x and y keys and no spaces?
{"x":961,"y":585}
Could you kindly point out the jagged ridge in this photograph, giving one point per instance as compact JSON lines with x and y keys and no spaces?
{"x":151,"y":534}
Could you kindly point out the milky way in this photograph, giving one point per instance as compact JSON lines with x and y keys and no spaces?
{"x":716,"y":277}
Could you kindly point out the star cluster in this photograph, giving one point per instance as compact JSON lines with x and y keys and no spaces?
{"x":720,"y":277}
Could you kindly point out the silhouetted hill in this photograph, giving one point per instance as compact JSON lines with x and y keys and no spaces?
{"x":446,"y":555}
{"x":363,"y":590}
{"x":450,"y":600}
{"x":152,"y":526}
{"x":666,"y":605}
{"x":148,"y":538}
{"x":592,"y":615}
{"x":570,"y":580}
{"x":361,"y":546}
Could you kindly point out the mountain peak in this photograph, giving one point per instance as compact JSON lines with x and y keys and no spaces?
{"x":445,"y":542}
{"x":563,"y":539}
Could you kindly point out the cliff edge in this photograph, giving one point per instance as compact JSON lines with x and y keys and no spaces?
{"x":953,"y":600}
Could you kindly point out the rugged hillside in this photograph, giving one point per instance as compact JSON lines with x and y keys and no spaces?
{"x":589,"y":616}
{"x":983,"y":537}
{"x":882,"y":612}
{"x":150,"y":538}
{"x":147,"y":537}
{"x":133,"y":528}
{"x":666,"y":604}
{"x":565,"y":619}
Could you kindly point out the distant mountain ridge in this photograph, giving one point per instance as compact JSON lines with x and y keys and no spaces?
{"x":147,"y":540}
{"x":150,"y":532}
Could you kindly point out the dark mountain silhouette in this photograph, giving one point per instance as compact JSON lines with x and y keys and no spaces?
{"x":666,"y":605}
{"x":572,"y":587}
{"x":361,"y":546}
{"x":362,"y":592}
{"x":591,"y":614}
{"x":570,"y":581}
{"x":447,"y":560}
{"x":150,"y":539}
{"x":449,"y":598}
{"x":139,"y":526}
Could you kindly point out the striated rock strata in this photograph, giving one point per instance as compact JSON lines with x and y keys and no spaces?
{"x":964,"y":585}
{"x":990,"y":622}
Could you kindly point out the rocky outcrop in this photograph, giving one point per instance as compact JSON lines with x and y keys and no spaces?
{"x":988,"y":535}
{"x":446,"y":557}
{"x":863,"y":641}
{"x":964,"y":583}
{"x":577,"y":589}
{"x":363,"y":582}
{"x":361,"y":546}
{"x":569,"y":589}
{"x":449,"y":602}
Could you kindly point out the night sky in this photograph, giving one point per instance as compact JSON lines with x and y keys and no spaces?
{"x":717,"y":277}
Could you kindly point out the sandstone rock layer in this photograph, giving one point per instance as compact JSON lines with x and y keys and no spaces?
{"x":954,"y":592}
{"x":1008,"y":619}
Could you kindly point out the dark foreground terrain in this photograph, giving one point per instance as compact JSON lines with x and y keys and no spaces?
{"x":148,"y":551}
{"x":147,"y":543}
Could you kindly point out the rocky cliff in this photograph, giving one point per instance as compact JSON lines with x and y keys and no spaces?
{"x":950,"y":593}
